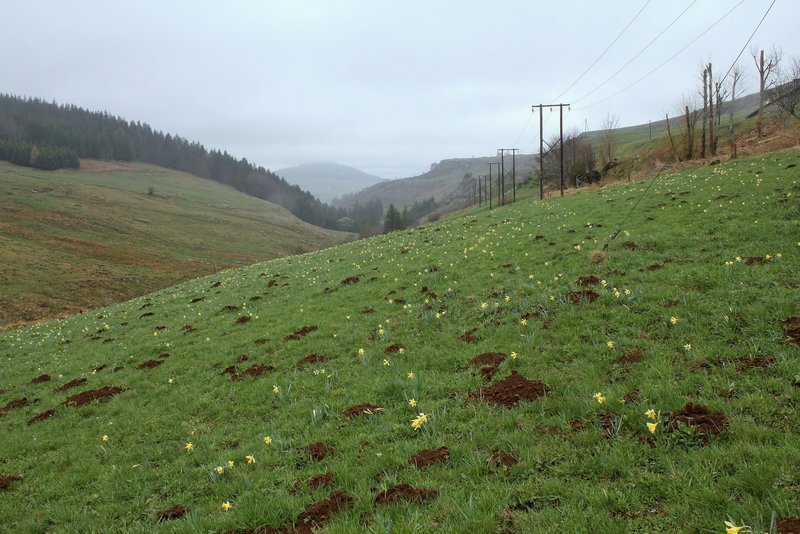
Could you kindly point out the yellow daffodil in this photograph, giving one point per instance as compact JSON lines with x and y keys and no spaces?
{"x":610,"y":344}
{"x":514,"y":355}
{"x":250,"y":459}
{"x":189,"y":446}
{"x":360,"y":352}
{"x":730,"y":528}
{"x":386,"y":362}
{"x":230,"y":463}
{"x":220,"y":469}
{"x":226,"y":506}
{"x":416,"y":423}
{"x":410,"y":376}
{"x":267,"y":440}
{"x":652,"y":427}
{"x":650,"y":413}
{"x":170,"y":381}
{"x":673,"y":320}
{"x":688,"y":346}
{"x":412,"y":402}
{"x":275,"y":389}
{"x":524,"y":322}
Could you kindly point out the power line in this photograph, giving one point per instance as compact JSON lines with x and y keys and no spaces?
{"x":748,"y":41}
{"x":668,"y":60}
{"x":638,"y":54}
{"x":604,"y":51}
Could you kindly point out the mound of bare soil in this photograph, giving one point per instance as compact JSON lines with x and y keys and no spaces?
{"x":507,"y":460}
{"x":320,"y":512}
{"x":176,"y":512}
{"x":312,"y":358}
{"x":575,"y":297}
{"x":699,"y":417}
{"x":350,"y":280}
{"x":468,"y":337}
{"x":488,"y":362}
{"x":430,"y":456}
{"x":300,"y":333}
{"x":322,"y":480}
{"x":360,"y":409}
{"x":633,"y":356}
{"x":397,"y":347}
{"x":792,"y":329}
{"x":41,"y":378}
{"x":590,"y":280}
{"x":404,"y":492}
{"x":509,"y":391}
{"x":254,"y":370}
{"x":318,"y":451}
{"x":41,"y":417}
{"x":5,"y":480}
{"x":243,"y":319}
{"x":149,"y":364}
{"x":19,"y":403}
{"x":88,"y":396}
{"x":789,"y":525}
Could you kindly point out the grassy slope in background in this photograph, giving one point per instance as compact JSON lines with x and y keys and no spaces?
{"x":76,"y":240}
{"x":679,"y":286}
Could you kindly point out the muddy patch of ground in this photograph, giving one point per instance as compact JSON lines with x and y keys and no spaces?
{"x":506,"y":460}
{"x":427,"y":457}
{"x":19,"y":403}
{"x":792,"y":331}
{"x":243,"y":319}
{"x":255,"y":370}
{"x":149,"y":364}
{"x":300,"y":333}
{"x":789,"y":525}
{"x":41,"y":417}
{"x":633,"y":356}
{"x":5,"y":480}
{"x":397,"y":347}
{"x":318,"y":451}
{"x":404,"y":492}
{"x":699,"y":417}
{"x":509,"y":391}
{"x":322,"y":480}
{"x":320,"y":512}
{"x":576,"y":297}
{"x":350,"y":280}
{"x":88,"y":396}
{"x":176,"y":512}
{"x":41,"y":378}
{"x":360,"y":409}
{"x":468,"y":337}
{"x":312,"y":358}
{"x":591,"y":280}
{"x":488,"y":362}
{"x":71,"y":384}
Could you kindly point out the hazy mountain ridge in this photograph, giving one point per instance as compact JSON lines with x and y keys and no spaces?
{"x":327,"y":181}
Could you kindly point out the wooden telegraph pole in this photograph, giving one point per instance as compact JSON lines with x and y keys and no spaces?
{"x":513,"y":173}
{"x":561,"y":144}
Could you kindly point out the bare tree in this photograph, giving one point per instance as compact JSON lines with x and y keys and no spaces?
{"x":768,"y":74}
{"x":686,"y":107}
{"x":787,"y":95}
{"x":737,"y":73}
{"x":608,"y":139}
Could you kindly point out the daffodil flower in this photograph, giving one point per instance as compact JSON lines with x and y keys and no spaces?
{"x":267,"y":440}
{"x":730,"y":528}
{"x":652,"y":427}
{"x":650,"y":413}
{"x":189,"y":446}
{"x":226,"y":506}
{"x":250,"y":459}
{"x":412,"y":402}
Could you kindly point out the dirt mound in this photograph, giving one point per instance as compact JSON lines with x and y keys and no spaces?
{"x":19,"y":403}
{"x":230,"y":370}
{"x":509,"y":391}
{"x":789,"y":525}
{"x":468,"y":337}
{"x":430,"y":456}
{"x":792,"y":329}
{"x":244,"y":319}
{"x":404,"y":492}
{"x":633,"y":397}
{"x":300,"y":333}
{"x":629,"y":245}
{"x":149,"y":364}
{"x":318,"y":451}
{"x":397,"y":347}
{"x":71,"y":384}
{"x":254,"y":370}
{"x":699,"y":417}
{"x":575,"y":297}
{"x":176,"y":512}
{"x":322,"y":480}
{"x":42,"y":416}
{"x":591,"y":280}
{"x":752,"y":260}
{"x":41,"y":378}
{"x":507,"y":460}
{"x":360,"y":409}
{"x":633,"y":356}
{"x":320,"y":512}
{"x":488,"y":362}
{"x":5,"y":480}
{"x":312,"y":358}
{"x":350,"y":280}
{"x":88,"y":396}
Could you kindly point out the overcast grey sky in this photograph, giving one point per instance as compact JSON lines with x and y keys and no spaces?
{"x":385,"y":86}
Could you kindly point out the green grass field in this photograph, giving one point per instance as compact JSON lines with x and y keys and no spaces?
{"x":78,"y":240}
{"x":693,"y":304}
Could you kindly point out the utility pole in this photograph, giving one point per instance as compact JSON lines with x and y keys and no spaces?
{"x":499,"y":202}
{"x":561,"y":144}
{"x":513,"y":173}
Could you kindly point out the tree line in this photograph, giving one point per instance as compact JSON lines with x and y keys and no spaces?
{"x":47,"y":135}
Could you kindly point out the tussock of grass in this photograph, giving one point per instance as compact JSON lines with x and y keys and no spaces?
{"x":677,"y":316}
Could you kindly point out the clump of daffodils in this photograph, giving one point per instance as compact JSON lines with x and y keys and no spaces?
{"x":419,"y":421}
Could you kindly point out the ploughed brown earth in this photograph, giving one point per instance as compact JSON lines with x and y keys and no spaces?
{"x":41,"y":378}
{"x":19,"y":403}
{"x":430,"y":456}
{"x":254,"y":370}
{"x":792,"y":329}
{"x":789,"y":525}
{"x":404,"y":492}
{"x":510,"y":390}
{"x":488,"y":362}
{"x":312,"y":358}
{"x":360,"y":409}
{"x":699,"y":417}
{"x":88,"y":396}
{"x":318,"y":451}
{"x":5,"y":480}
{"x":176,"y":512}
{"x":300,"y":333}
{"x":41,"y":417}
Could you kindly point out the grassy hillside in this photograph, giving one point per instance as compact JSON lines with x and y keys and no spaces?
{"x":77,"y":240}
{"x":476,"y":375}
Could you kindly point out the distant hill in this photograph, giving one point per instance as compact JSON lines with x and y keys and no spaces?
{"x":327,"y":181}
{"x":444,"y":182}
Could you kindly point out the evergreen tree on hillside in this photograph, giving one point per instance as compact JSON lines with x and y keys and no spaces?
{"x":392,"y":220}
